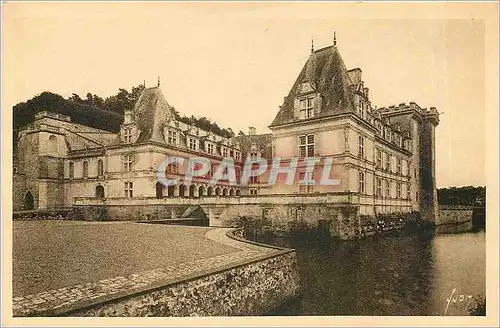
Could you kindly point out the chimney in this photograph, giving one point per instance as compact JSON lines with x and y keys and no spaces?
{"x":251,"y":131}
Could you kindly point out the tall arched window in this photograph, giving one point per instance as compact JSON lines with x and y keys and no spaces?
{"x":85,"y":169}
{"x":71,"y":170}
{"x":100,"y":168}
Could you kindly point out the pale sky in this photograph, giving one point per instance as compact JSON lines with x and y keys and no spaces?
{"x":234,"y":63}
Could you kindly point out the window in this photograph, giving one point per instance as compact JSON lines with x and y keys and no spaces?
{"x":361,"y":182}
{"x":253,"y":191}
{"x":306,"y":145}
{"x":398,"y":166}
{"x":253,"y":155}
{"x":408,"y":191}
{"x":254,"y":179}
{"x":388,"y":162}
{"x":172,"y":168}
{"x":398,"y":189}
{"x":224,"y":152}
{"x":172,"y":137}
{"x":387,"y":188}
{"x":237,"y":155}
{"x":193,"y":144}
{"x":127,"y":163}
{"x":100,"y":168}
{"x":408,"y":166}
{"x":361,"y":109}
{"x":210,"y":148}
{"x":127,"y":135}
{"x":305,"y":188}
{"x":238,"y":175}
{"x":361,"y":147}
{"x":307,"y":108}
{"x":71,"y":170}
{"x":379,"y":158}
{"x":129,"y":189}
{"x":53,"y":144}
{"x":379,"y":187}
{"x":85,"y":169}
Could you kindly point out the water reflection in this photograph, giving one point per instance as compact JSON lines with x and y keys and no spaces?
{"x":396,"y":275}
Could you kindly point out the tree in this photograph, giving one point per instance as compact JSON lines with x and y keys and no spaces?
{"x":75,"y":98}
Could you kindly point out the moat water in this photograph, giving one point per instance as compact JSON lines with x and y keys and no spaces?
{"x":389,"y":275}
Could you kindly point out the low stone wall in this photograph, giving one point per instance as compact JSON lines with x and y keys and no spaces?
{"x":456,"y":218}
{"x":454,"y":215}
{"x":253,"y":286}
{"x":252,"y":289}
{"x":61,"y":214}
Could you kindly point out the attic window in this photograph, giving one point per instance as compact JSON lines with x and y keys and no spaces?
{"x":193,"y":144}
{"x":210,"y":148}
{"x":127,"y":135}
{"x":306,"y":108}
{"x":172,"y":137}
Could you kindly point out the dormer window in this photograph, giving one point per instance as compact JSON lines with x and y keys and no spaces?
{"x":193,"y":144}
{"x":210,"y":148}
{"x":172,"y":137}
{"x":127,"y":135}
{"x":361,"y":109}
{"x":237,"y":155}
{"x":306,"y":108}
{"x":224,"y":151}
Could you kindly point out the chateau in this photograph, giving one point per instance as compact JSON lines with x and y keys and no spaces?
{"x":384,"y":157}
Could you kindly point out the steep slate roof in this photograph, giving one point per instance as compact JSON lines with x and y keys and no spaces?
{"x":262,"y":141}
{"x":327,"y":70}
{"x":151,"y":114}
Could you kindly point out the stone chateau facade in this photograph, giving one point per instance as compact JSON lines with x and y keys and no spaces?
{"x":384,"y":157}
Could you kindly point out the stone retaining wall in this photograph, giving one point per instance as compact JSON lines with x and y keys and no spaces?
{"x":250,"y":289}
{"x":254,"y":281}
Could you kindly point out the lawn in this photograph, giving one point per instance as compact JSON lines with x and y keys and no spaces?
{"x":55,"y":254}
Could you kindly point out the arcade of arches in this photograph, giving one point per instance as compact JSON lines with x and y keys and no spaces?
{"x":195,"y":190}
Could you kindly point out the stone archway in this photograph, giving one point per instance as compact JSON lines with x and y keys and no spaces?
{"x":217,"y":191}
{"x":224,"y":192}
{"x":182,"y":190}
{"x":159,"y":190}
{"x":99,"y":191}
{"x":29,"y":201}
{"x":210,"y":191}
{"x":201,"y":191}
{"x":192,"y":190}
{"x":171,"y":191}
{"x":231,"y":192}
{"x":238,"y":193}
